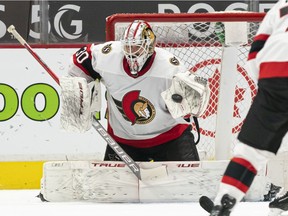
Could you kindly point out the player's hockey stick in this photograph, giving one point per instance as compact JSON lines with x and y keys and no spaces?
{"x":135,"y":168}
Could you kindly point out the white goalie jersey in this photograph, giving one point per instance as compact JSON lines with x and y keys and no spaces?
{"x":137,"y":114}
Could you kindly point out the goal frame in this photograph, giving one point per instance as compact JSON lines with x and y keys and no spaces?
{"x":179,"y":17}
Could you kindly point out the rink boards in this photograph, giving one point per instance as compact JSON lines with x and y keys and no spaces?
{"x":20,"y":174}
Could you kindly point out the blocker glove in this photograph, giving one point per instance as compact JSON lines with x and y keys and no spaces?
{"x":80,"y":101}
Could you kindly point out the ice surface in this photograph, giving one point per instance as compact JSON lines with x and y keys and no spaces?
{"x":25,"y":203}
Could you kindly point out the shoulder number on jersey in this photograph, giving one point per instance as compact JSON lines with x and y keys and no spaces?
{"x":81,"y":55}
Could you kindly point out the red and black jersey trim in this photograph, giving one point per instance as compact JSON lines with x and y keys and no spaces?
{"x":240,"y":173}
{"x":167,"y":136}
{"x":83,"y":59}
{"x":257,"y":45}
{"x":146,"y":66}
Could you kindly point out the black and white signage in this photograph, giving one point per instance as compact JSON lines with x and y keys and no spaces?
{"x":84,"y":21}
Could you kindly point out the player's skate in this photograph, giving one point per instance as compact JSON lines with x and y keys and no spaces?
{"x":279,"y":205}
{"x":227,"y":203}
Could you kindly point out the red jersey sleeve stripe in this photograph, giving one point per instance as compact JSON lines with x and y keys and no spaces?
{"x":252,"y":55}
{"x":81,"y":66}
{"x":262,"y":37}
{"x":258,"y":43}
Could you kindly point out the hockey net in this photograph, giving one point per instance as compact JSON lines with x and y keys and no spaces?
{"x":198,"y":40}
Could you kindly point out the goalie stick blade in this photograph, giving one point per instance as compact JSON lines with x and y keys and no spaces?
{"x":206,"y":203}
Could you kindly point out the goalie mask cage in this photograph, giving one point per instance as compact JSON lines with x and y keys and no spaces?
{"x":198,"y":40}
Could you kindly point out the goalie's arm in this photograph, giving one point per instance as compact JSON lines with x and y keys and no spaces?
{"x":188,"y":94}
{"x":81,"y":64}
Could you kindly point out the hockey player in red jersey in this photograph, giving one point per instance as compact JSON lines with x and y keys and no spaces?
{"x":267,"y":120}
{"x":140,"y":80}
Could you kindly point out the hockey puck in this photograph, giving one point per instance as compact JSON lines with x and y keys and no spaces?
{"x":177,"y":98}
{"x":206,"y":203}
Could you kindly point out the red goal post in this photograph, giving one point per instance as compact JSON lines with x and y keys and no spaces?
{"x":198,"y":40}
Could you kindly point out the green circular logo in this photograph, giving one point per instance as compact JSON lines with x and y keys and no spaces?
{"x":10,"y":102}
{"x":30,"y":104}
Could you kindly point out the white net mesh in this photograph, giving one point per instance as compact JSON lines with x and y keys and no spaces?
{"x":199,"y":43}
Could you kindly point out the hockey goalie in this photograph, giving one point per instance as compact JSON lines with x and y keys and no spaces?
{"x":149,"y":91}
{"x":136,"y":75}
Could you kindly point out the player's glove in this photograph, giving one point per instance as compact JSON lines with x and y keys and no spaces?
{"x":188,"y":94}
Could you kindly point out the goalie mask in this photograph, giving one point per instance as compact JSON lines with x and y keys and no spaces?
{"x":138,"y":45}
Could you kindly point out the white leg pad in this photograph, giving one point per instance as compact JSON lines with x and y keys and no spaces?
{"x":85,"y":180}
{"x":100,"y":181}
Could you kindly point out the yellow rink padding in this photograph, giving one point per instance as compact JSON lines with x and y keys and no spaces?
{"x":21,"y":174}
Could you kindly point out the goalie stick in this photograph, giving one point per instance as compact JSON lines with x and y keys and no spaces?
{"x":133,"y":166}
